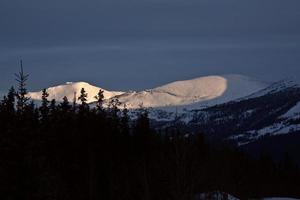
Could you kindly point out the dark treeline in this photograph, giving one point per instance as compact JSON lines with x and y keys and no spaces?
{"x":70,"y":151}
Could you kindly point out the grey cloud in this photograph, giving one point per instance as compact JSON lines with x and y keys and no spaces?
{"x":137,"y":44}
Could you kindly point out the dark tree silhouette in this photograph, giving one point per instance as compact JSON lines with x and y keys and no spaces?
{"x":8,"y":102}
{"x":83,"y":99}
{"x":125,"y":121}
{"x":44,"y":109}
{"x":100,"y":99}
{"x":65,"y":105}
{"x":73,"y":155}
{"x":22,"y":99}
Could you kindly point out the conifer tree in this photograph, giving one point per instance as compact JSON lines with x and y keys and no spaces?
{"x":74,"y":101}
{"x":83,"y":96}
{"x":83,"y":99}
{"x":22,"y":99}
{"x":32,"y":111}
{"x":114,"y":107}
{"x":44,"y":109}
{"x":65,"y":105}
{"x":143,"y":122}
{"x":52,"y":107}
{"x":8,"y":101}
{"x":100,"y":98}
{"x":125,"y":121}
{"x":7,"y":109}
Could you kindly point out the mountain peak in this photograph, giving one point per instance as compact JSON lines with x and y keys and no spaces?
{"x":212,"y":89}
{"x":78,"y":84}
{"x":71,"y":89}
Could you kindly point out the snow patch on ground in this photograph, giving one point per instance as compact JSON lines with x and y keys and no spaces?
{"x":295,"y":111}
{"x":215,"y":196}
{"x":275,"y":129}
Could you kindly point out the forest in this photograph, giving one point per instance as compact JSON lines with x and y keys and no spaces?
{"x":67,"y":150}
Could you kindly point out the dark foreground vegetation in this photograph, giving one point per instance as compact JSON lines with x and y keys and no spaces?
{"x":68,"y":151}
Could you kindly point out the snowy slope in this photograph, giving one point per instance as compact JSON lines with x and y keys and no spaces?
{"x":294,"y":112}
{"x":284,"y":126}
{"x":275,"y":87}
{"x":209,"y":90}
{"x":203,"y":91}
{"x":272,"y":130}
{"x":69,"y":89}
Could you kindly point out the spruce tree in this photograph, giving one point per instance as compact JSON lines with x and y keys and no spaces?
{"x":65,"y":105}
{"x":22,"y":99}
{"x":44,"y":109}
{"x":52,"y":107}
{"x":125,"y":121}
{"x":114,"y":104}
{"x":8,"y":101}
{"x":83,"y":99}
{"x":83,"y":96}
{"x":143,"y":122}
{"x":100,"y":98}
{"x":7,"y":110}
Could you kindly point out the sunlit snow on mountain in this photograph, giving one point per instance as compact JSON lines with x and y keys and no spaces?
{"x":207,"y":90}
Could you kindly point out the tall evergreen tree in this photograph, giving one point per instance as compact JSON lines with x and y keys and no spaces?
{"x":114,"y":104}
{"x":143,"y":122}
{"x":100,"y":98}
{"x":74,"y":101}
{"x":22,"y":98}
{"x":83,"y":96}
{"x":7,"y":110}
{"x":52,"y":107}
{"x":83,"y":99}
{"x":44,"y":109}
{"x":8,"y":101}
{"x":125,"y":121}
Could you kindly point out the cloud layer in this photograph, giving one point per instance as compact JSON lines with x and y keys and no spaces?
{"x":143,"y":43}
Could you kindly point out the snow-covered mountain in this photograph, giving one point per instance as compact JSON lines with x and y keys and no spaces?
{"x":286,"y":114}
{"x":70,"y":89}
{"x":203,"y":91}
{"x":246,"y":112}
{"x":209,"y":90}
{"x":237,"y":107}
{"x":271,"y":111}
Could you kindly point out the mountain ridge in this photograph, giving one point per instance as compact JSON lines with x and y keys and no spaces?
{"x":69,"y":89}
{"x":235,"y":107}
{"x":217,"y":88}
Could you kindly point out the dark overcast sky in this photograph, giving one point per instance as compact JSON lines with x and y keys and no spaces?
{"x":135,"y":44}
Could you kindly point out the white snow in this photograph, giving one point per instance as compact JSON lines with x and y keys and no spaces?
{"x":217,"y":195}
{"x":203,"y":91}
{"x":279,"y":128}
{"x":194,"y":93}
{"x":275,"y":87}
{"x":295,"y":111}
{"x":70,"y":89}
{"x":275,"y":129}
